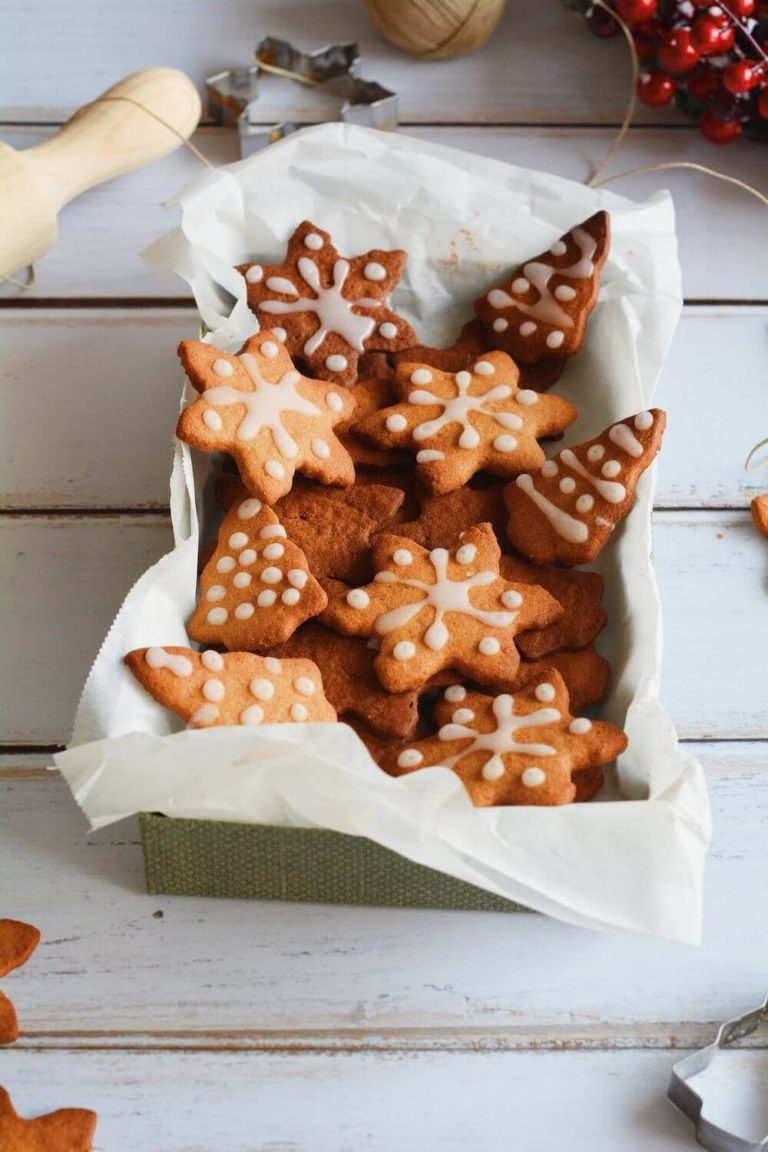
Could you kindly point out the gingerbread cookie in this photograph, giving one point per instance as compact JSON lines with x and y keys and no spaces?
{"x":329,"y":309}
{"x":541,"y":312}
{"x":459,"y":424}
{"x":441,"y":609}
{"x":442,"y":518}
{"x":579,"y":593}
{"x":270,"y":418}
{"x":370,"y":396}
{"x":256,"y":588}
{"x":759,"y":508}
{"x":521,"y":749}
{"x":17,"y":943}
{"x":209,"y":690}
{"x":585,"y":674}
{"x":65,"y":1130}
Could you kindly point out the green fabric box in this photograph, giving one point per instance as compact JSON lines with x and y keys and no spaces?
{"x":310,"y":865}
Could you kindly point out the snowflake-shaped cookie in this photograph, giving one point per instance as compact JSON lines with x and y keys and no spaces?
{"x":459,"y":424}
{"x":273,"y":420}
{"x":208,"y":689}
{"x":327,"y":309}
{"x":520,"y":749}
{"x":441,"y":609}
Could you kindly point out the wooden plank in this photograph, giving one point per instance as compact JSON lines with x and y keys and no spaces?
{"x":66,"y":576}
{"x":117,"y":967}
{"x":104,"y":441}
{"x":544,"y":68}
{"x":94,"y":258}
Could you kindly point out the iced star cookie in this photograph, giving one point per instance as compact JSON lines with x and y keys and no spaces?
{"x":512,"y":749}
{"x":208,"y":689}
{"x":565,"y":513}
{"x":541,"y":312}
{"x":256,"y":588}
{"x":459,"y":424}
{"x":271,"y":419}
{"x":331,"y":310}
{"x":441,"y":609}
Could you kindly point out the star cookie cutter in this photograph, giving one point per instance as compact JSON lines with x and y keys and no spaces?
{"x":684,"y":1097}
{"x":233,"y":94}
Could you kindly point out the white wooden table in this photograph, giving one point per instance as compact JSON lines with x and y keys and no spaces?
{"x":197,"y":1024}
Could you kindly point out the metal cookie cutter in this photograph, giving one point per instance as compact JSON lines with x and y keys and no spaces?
{"x":232,"y":95}
{"x":681,"y":1094}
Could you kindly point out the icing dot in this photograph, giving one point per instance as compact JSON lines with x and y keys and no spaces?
{"x":291,"y":597}
{"x":272,"y":665}
{"x":429,"y":455}
{"x":244,"y":611}
{"x":527,"y":328}
{"x":238,"y":540}
{"x":159,"y":658}
{"x":455,"y":694}
{"x":299,"y":713}
{"x":216,"y":592}
{"x":484,"y":368}
{"x":305,"y":685}
{"x":466,"y":554}
{"x":402,"y":556}
{"x":527,"y":397}
{"x":213,"y":661}
{"x":494,"y":769}
{"x":388,"y":330}
{"x":297,"y":577}
{"x":500,"y":325}
{"x":520,"y":285}
{"x":585,"y":503}
{"x":274,"y":469}
{"x":489,"y":646}
{"x":262,"y":689}
{"x":270,"y":530}
{"x":334,"y":401}
{"x":214,"y":690}
{"x":247,"y":556}
{"x":596,"y":452}
{"x":374,"y":271}
{"x":463,"y":716}
{"x":463,"y":379}
{"x":567,"y":484}
{"x":217,"y":616}
{"x":545,"y":692}
{"x":565,"y":292}
{"x":253,"y":714}
{"x":559,"y":248}
{"x":320,"y":448}
{"x":410,"y":758}
{"x":549,"y":468}
{"x":358,"y":598}
{"x":211,"y":419}
{"x":505,"y":443}
{"x":226,"y":564}
{"x":555,"y":339}
{"x":280,"y":334}
{"x":421,"y":376}
{"x":611,"y":468}
{"x":204,"y":715}
{"x":336,"y":363}
{"x":255,"y":274}
{"x":242,"y":580}
{"x":273,"y":551}
{"x":313,"y":241}
{"x":533,"y":777}
{"x":396,"y":422}
{"x":580,"y":725}
{"x":269,"y":349}
{"x":643,"y":421}
{"x":249,"y":508}
{"x":271,"y":575}
{"x":223,"y":368}
{"x":511,"y":598}
{"x":385,"y":578}
{"x":266,"y":598}
{"x":405,"y":650}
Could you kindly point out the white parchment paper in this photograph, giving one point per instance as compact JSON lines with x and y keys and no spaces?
{"x":633,"y":859}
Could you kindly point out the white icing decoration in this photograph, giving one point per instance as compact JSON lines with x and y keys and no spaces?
{"x":405,"y":650}
{"x":396,"y":422}
{"x":565,"y":293}
{"x":545,"y":693}
{"x":549,"y":468}
{"x":272,"y":665}
{"x":203,"y":716}
{"x":225,"y":564}
{"x":214,"y":690}
{"x":533,"y":777}
{"x":466,"y":554}
{"x":611,"y":468}
{"x":253,"y":714}
{"x":484,"y":368}
{"x":567,"y":484}
{"x":644,"y":421}
{"x":505,"y":443}
{"x":374,"y":271}
{"x":527,"y":396}
{"x":489,"y":646}
{"x":216,"y":592}
{"x":457,"y":409}
{"x":270,"y":530}
{"x":502,"y":740}
{"x":299,"y":713}
{"x":275,"y":469}
{"x":463,"y":716}
{"x":421,"y":376}
{"x":402,"y":556}
{"x":223,"y":368}
{"x":621,"y":435}
{"x":212,"y":420}
{"x":611,"y":491}
{"x":429,"y":455}
{"x":595,"y":453}
{"x":334,"y":401}
{"x":244,"y":611}
{"x":559,"y":248}
{"x":546,"y":308}
{"x":271,"y":576}
{"x":273,"y":551}
{"x":500,"y":325}
{"x":358,"y":598}
{"x":304,"y":685}
{"x":255,"y":274}
{"x":176,"y":663}
{"x":585,"y":503}
{"x":279,"y":334}
{"x":291,"y":597}
{"x":511,"y":598}
{"x":213,"y":661}
{"x":580,"y":725}
{"x":409,"y":758}
{"x":527,"y":328}
{"x":320,"y":447}
{"x":313,"y":241}
{"x":520,"y":286}
{"x":603,"y":523}
{"x":266,"y":598}
{"x":217,"y":616}
{"x":249,"y":508}
{"x":455,"y":694}
{"x":280,"y":284}
{"x":555,"y":339}
{"x":247,"y":556}
{"x":242,"y":579}
{"x":388,"y":330}
{"x":269,"y":349}
{"x":336,"y":363}
{"x":566,"y":526}
{"x":238,"y":540}
{"x":298,"y":577}
{"x":334,"y":312}
{"x":262,"y":689}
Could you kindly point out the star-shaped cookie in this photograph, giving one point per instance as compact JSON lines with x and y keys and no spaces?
{"x":17,"y":943}
{"x":441,"y":609}
{"x":65,"y":1130}
{"x":512,"y":749}
{"x":273,"y":420}
{"x":329,"y":309}
{"x":459,"y":424}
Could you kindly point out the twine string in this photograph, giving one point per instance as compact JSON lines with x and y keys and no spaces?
{"x":752,"y":464}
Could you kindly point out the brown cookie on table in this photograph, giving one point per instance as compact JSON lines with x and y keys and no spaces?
{"x":524,"y":748}
{"x":208,"y":689}
{"x":443,"y":608}
{"x":759,"y":507}
{"x":540,"y":313}
{"x":586,"y":674}
{"x":459,"y":424}
{"x":330,"y":310}
{"x":565,"y":513}
{"x":17,"y":943}
{"x":65,"y":1130}
{"x":579,"y":593}
{"x":273,"y":420}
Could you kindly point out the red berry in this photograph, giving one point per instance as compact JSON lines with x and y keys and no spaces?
{"x":711,"y":37}
{"x":718,"y":131}
{"x":742,"y":8}
{"x":762,"y":104}
{"x":741,"y":76}
{"x":647,"y":35}
{"x":677,"y":53}
{"x":602,"y":24}
{"x":634,"y":10}
{"x":704,"y":82}
{"x":656,"y":88}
